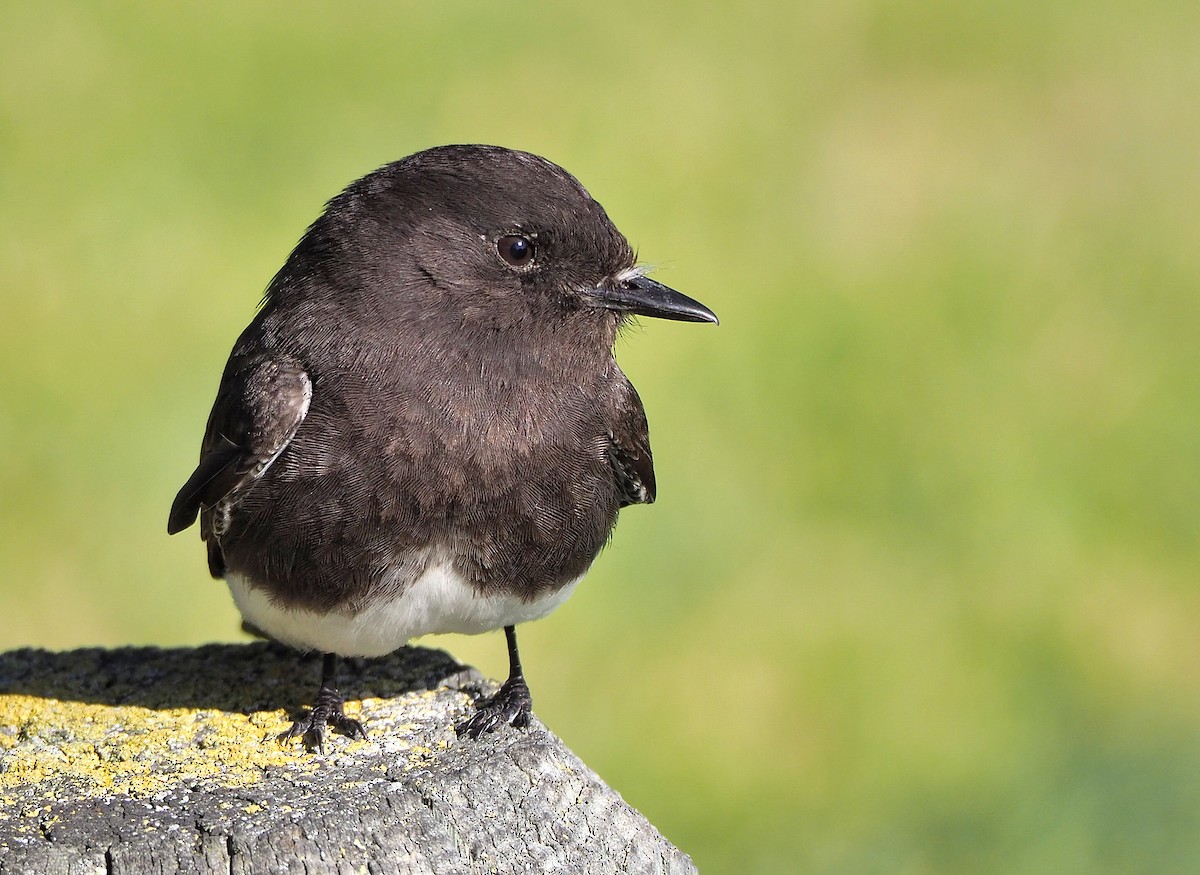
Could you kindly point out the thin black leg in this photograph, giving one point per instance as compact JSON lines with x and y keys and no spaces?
{"x":326,"y":711}
{"x":512,"y":704}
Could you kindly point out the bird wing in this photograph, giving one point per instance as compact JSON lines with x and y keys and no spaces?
{"x":629,"y":448}
{"x":261,"y":403}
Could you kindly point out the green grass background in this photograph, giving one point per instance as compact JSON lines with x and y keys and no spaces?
{"x":920,"y":591}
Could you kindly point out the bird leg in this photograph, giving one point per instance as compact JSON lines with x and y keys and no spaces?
{"x":512,"y":703}
{"x":326,"y":711}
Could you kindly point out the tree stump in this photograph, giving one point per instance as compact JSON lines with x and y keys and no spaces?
{"x":153,"y":761}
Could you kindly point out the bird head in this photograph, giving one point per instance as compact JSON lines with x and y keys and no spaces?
{"x":486,"y":235}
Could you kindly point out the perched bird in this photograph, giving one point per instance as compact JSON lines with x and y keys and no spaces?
{"x":423,"y":429}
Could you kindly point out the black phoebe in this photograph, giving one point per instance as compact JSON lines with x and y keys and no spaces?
{"x":423,"y":429}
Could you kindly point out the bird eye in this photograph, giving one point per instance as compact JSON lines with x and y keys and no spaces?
{"x":515,"y":249}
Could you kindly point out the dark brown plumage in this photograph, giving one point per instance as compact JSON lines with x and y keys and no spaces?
{"x":423,"y":429}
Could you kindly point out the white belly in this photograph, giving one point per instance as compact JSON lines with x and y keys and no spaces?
{"x":438,"y":601}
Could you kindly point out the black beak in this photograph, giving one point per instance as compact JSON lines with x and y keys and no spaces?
{"x":645,"y":297}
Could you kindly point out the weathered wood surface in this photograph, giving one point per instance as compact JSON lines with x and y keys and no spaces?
{"x":156,"y":761}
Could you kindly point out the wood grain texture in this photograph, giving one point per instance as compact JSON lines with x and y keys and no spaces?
{"x":157,"y":761}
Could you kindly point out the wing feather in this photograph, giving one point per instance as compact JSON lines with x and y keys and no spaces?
{"x":259,"y":407}
{"x":629,"y":448}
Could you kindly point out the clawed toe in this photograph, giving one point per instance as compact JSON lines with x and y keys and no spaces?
{"x":511,"y":705}
{"x":327,"y":711}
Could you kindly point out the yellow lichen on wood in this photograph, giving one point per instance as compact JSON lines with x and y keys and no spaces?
{"x":134,"y":750}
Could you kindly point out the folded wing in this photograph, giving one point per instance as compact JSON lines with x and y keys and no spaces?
{"x":259,"y":407}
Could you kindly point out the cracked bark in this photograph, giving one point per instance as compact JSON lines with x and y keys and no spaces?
{"x":156,"y":761}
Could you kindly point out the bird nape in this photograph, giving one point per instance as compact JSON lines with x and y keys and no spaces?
{"x":423,"y":429}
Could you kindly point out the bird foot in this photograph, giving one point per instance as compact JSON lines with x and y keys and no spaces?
{"x":512,"y":704}
{"x":326,"y":711}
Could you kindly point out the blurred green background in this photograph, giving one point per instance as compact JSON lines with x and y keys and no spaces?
{"x":919,"y":594}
